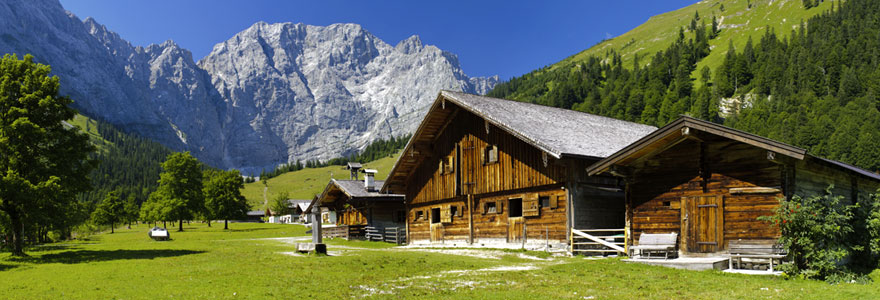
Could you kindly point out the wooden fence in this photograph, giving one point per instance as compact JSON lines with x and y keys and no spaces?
{"x":598,"y":241}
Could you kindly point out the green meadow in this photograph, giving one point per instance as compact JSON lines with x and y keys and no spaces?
{"x":257,"y":261}
{"x":305,"y":183}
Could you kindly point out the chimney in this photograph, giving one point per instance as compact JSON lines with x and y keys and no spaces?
{"x":369,"y":180}
{"x":353,"y":167}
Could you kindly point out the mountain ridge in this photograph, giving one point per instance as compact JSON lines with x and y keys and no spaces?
{"x":271,"y":94}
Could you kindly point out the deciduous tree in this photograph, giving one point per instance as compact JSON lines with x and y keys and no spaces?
{"x":43,"y":161}
{"x":223,"y":199}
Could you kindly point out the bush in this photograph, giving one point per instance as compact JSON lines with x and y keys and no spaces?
{"x":818,"y":233}
{"x":873,"y":224}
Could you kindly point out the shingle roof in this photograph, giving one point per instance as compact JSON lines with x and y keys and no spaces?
{"x":355,"y":188}
{"x":557,"y":131}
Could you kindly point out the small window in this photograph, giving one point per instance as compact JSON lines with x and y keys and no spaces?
{"x":667,"y":203}
{"x":447,"y":165}
{"x":435,"y":215}
{"x":453,"y":211}
{"x":545,"y":201}
{"x":489,"y":207}
{"x":419,"y":215}
{"x":490,"y":154}
{"x":515,"y":208}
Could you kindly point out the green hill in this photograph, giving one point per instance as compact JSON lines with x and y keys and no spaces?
{"x":739,"y":20}
{"x":305,"y":183}
{"x":810,"y":82}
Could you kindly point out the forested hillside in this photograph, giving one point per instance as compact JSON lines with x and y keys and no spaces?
{"x":127,"y":162}
{"x":817,"y":88}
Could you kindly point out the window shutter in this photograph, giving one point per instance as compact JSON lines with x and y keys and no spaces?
{"x":446,"y":214}
{"x":554,"y":201}
{"x":493,"y":154}
{"x":530,"y":205}
{"x":458,"y":212}
{"x":499,"y":206}
{"x":484,"y":207}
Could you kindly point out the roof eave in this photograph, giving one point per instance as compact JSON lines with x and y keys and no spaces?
{"x":685,"y":121}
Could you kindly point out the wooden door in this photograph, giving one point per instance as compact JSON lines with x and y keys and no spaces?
{"x":702,"y":224}
{"x":515,"y":229}
{"x":467,"y":166}
{"x":437,"y":232}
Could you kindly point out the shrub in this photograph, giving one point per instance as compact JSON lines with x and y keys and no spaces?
{"x":817,"y":232}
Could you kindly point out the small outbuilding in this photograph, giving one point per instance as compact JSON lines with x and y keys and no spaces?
{"x":360,"y":204}
{"x":709,"y":183}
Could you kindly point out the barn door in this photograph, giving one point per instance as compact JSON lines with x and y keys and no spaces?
{"x":515,"y":229}
{"x":437,"y":232}
{"x":467,"y":166}
{"x":702,"y":224}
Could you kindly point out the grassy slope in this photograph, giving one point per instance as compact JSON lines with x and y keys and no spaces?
{"x":738,"y":23}
{"x":304,"y":184}
{"x":91,"y":127}
{"x":208,"y":263}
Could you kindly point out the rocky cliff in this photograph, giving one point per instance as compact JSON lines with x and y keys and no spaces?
{"x":271,"y":94}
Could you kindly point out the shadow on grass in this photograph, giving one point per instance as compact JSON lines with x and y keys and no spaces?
{"x":231,"y":229}
{"x":4,"y":267}
{"x":81,"y":256}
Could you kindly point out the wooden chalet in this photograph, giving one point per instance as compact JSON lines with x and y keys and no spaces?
{"x":709,"y":183}
{"x":359,"y":203}
{"x":488,"y":171}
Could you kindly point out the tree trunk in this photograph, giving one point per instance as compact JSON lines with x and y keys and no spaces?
{"x":17,"y":233}
{"x":209,"y":223}
{"x":225,"y":224}
{"x":180,"y":222}
{"x":165,"y":225}
{"x":111,"y":227}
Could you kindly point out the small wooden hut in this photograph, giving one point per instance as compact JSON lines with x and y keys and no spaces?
{"x":359,"y":203}
{"x":488,"y":171}
{"x":709,"y":183}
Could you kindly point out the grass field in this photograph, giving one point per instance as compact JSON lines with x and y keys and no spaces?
{"x":305,"y":183}
{"x":255,"y":261}
{"x":738,"y":22}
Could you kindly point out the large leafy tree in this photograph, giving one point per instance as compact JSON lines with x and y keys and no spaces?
{"x":180,"y":193}
{"x":43,"y":161}
{"x":110,"y":211}
{"x":223,"y":199}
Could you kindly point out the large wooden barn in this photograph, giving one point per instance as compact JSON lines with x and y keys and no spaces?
{"x":709,"y":183}
{"x":489,"y":171}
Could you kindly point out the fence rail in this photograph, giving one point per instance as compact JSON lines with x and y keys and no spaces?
{"x":598,"y":241}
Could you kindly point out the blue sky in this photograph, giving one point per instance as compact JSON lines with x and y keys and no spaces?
{"x":505,"y":38}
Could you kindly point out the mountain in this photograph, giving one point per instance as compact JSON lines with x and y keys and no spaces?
{"x":271,"y":94}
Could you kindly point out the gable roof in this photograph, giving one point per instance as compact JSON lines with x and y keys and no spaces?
{"x":558,"y":132}
{"x":677,"y":130}
{"x":353,"y":190}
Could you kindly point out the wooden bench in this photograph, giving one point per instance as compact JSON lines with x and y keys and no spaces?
{"x":760,"y":249}
{"x":656,"y":243}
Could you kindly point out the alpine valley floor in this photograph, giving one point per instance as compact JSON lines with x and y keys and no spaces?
{"x":257,"y":261}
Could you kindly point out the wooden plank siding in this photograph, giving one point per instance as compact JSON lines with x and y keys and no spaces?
{"x":709,"y":168}
{"x":519,"y":172}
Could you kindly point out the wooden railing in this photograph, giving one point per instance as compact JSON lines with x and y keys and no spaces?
{"x":395,"y":235}
{"x":347,"y":232}
{"x":598,"y":241}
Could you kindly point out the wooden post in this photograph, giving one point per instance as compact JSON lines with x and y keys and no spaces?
{"x":470,"y":199}
{"x":316,"y":225}
{"x":524,"y":235}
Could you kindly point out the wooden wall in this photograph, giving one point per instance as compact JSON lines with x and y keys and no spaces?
{"x":463,"y":141}
{"x":712,"y":167}
{"x":549,"y":223}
